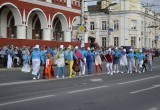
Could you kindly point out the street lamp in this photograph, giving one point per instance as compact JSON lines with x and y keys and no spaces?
{"x":107,"y":11}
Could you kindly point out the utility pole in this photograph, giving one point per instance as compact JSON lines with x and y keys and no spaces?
{"x":82,"y":21}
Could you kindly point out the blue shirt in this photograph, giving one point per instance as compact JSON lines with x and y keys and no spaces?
{"x":70,"y":55}
{"x":36,"y":54}
{"x":140,"y":56}
{"x":84,"y":53}
{"x":131,"y":56}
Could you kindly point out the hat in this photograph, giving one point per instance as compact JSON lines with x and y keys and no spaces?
{"x":76,"y":47}
{"x":116,"y":48}
{"x":109,"y":49}
{"x":82,"y":45}
{"x":88,"y":48}
{"x":37,"y":46}
{"x":140,"y":50}
{"x":124,"y":50}
{"x":69,"y":47}
{"x":130,"y":50}
{"x":61,"y":46}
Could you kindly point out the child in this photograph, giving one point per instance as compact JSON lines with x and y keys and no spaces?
{"x":48,"y":66}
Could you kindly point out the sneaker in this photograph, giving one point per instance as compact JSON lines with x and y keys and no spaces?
{"x":127,"y":71}
{"x":117,"y":71}
{"x":144,"y":70}
{"x":70,"y":77}
{"x":108,"y":72}
{"x":122,"y":72}
{"x":57,"y":77}
{"x":114,"y":72}
{"x":111,"y":74}
{"x":63,"y":76}
{"x":139,"y":72}
{"x":34,"y":78}
{"x":38,"y":76}
{"x":130,"y":72}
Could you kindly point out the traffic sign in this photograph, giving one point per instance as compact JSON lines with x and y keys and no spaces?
{"x":81,"y":29}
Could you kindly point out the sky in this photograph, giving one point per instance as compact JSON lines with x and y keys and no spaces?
{"x":156,"y":8}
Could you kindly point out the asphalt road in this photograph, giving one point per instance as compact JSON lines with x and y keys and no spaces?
{"x":96,"y":92}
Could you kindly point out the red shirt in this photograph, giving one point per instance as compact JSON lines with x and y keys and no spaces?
{"x":109,"y":58}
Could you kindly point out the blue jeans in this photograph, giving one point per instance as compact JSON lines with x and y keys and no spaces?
{"x":58,"y":70}
{"x":89,"y":66}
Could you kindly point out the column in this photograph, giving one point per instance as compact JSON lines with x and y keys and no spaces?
{"x":67,"y":36}
{"x":46,"y":34}
{"x":21,"y":32}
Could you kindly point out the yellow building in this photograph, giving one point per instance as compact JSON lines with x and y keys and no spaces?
{"x":132,"y":24}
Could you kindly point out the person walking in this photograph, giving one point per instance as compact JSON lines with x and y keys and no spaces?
{"x":116,"y":60}
{"x":60,"y":61}
{"x":70,"y":61}
{"x":9,"y":56}
{"x":123,"y":61}
{"x":140,"y":58}
{"x":98,"y":61}
{"x":109,"y":58}
{"x":82,"y":63}
{"x":89,"y":60}
{"x":131,"y":61}
{"x":36,"y":58}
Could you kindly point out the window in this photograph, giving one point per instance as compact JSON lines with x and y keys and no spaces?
{"x":133,"y":24}
{"x":133,"y":41}
{"x":116,"y":25}
{"x":91,"y":25}
{"x":103,"y":25}
{"x":103,"y":41}
{"x":116,"y":41}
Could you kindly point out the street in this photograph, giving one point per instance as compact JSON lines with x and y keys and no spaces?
{"x":137,"y":91}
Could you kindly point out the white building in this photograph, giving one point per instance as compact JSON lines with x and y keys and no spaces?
{"x":132,"y":24}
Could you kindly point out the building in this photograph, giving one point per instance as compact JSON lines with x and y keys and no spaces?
{"x":48,"y":20}
{"x":127,"y":24}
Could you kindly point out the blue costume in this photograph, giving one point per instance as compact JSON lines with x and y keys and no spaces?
{"x":89,"y":61}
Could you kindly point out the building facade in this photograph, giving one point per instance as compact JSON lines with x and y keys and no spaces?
{"x":49,"y":20}
{"x":129,"y":24}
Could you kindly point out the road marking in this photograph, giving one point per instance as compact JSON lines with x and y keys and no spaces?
{"x":20,"y":82}
{"x":96,"y":80}
{"x":25,"y":100}
{"x":88,"y":89}
{"x":146,"y":89}
{"x":138,"y":80}
{"x":154,"y":108}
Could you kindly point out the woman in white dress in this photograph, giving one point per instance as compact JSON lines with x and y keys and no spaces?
{"x":123,"y":61}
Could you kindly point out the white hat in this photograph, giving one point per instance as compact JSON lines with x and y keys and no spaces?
{"x":82,"y":45}
{"x":61,"y":46}
{"x":37,"y":46}
{"x":88,"y":48}
{"x":76,"y":47}
{"x":140,"y":50}
{"x":130,"y":50}
{"x":109,"y":49}
{"x":116,"y":48}
{"x":124,"y":50}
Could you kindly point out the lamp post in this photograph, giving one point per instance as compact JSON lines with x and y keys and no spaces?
{"x":107,"y":11}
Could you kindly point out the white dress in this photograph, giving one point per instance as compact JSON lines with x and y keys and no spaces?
{"x":97,"y":59}
{"x":123,"y":60}
{"x":60,"y":61}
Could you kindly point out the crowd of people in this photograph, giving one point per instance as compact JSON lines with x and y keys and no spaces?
{"x":76,"y":59}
